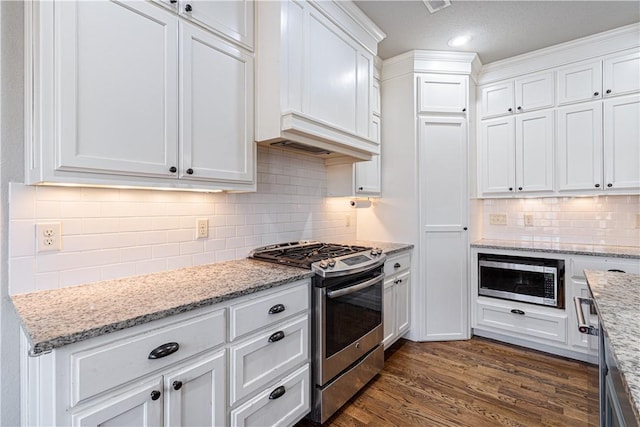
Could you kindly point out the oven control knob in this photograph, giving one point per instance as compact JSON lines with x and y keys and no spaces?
{"x":332,"y":262}
{"x":373,"y":252}
{"x":378,"y":251}
{"x":323,"y":264}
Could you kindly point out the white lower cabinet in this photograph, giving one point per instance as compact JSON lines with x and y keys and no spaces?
{"x":397,"y":294}
{"x":182,"y":370}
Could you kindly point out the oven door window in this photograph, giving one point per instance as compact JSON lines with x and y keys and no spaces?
{"x":350,"y":316}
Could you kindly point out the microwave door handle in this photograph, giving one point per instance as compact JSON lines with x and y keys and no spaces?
{"x":355,"y":288}
{"x":583,"y":327}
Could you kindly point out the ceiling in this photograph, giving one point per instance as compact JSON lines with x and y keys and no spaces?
{"x":499,"y":29}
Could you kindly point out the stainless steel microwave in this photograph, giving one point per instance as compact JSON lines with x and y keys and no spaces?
{"x":526,"y":279}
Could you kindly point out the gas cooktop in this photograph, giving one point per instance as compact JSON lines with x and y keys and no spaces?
{"x":323,"y":258}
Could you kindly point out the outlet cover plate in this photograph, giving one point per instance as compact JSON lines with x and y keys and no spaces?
{"x":498,"y":219}
{"x":49,"y":237}
{"x":528,"y":220}
{"x":202,"y":228}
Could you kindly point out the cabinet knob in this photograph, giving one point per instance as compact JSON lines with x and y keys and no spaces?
{"x":510,"y":110}
{"x":516,"y":311}
{"x":173,"y":169}
{"x":360,"y":188}
{"x":277,"y":336}
{"x":597,"y":185}
{"x":164,"y":350}
{"x":608,"y":90}
{"x":278,"y":308}
{"x":464,"y":109}
{"x":609,"y":185}
{"x":189,"y":171}
{"x":397,"y":265}
{"x":519,"y":108}
{"x":177,"y":385}
{"x":173,"y":1}
{"x":188,"y":8}
{"x":464,"y":228}
{"x":155,"y":395}
{"x":510,"y":188}
{"x":519,"y":188}
{"x":596,"y":93}
{"x":277,"y":393}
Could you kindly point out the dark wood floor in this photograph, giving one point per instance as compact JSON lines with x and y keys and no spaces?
{"x":475,"y":383}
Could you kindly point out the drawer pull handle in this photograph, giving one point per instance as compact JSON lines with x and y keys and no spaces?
{"x":164,"y":350}
{"x":516,"y":311}
{"x":278,"y":308}
{"x":277,"y":393}
{"x":177,"y":385}
{"x":397,"y":265}
{"x":615,"y":270}
{"x":276,"y":336}
{"x":155,"y":395}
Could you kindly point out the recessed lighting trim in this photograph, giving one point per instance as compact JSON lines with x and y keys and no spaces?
{"x":459,"y":41}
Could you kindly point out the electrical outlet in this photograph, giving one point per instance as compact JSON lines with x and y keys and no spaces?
{"x":49,"y":237}
{"x":498,"y":219}
{"x":528,"y":220}
{"x":638,"y":221}
{"x":202,"y":228}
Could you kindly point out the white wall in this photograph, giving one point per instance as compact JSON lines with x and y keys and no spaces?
{"x":110,"y":233}
{"x":604,"y":220}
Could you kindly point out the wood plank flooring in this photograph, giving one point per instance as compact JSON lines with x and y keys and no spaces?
{"x":474,"y":383}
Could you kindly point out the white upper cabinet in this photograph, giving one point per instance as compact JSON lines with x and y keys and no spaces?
{"x":580,"y":82}
{"x":531,"y":92}
{"x":116,"y":98}
{"x":130,"y":93}
{"x":621,"y":73}
{"x":442,"y":93}
{"x":622,"y":143}
{"x":315,"y":77}
{"x":517,"y":154}
{"x":367,"y":177}
{"x":216,"y":101}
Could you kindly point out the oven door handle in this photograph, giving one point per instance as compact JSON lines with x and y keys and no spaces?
{"x":583,"y":327}
{"x":355,"y":288}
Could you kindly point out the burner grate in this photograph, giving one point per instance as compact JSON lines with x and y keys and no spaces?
{"x":304,"y":255}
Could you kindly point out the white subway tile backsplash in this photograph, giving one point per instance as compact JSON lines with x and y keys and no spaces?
{"x":113,"y":233}
{"x":603,"y":220}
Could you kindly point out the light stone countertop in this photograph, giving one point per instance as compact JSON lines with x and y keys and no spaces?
{"x":561,"y":248}
{"x":617,"y":299}
{"x":58,"y":317}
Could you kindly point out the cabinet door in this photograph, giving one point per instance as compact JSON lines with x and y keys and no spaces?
{"x":117,"y":88}
{"x":389,"y":328}
{"x":134,"y":407}
{"x":622,"y":143}
{"x":497,"y":156}
{"x":621,"y":74}
{"x":497,"y":100}
{"x":443,"y":215}
{"x":442,"y":93}
{"x":579,"y":82}
{"x":534,"y":152}
{"x":579,"y":155}
{"x":233,"y":19}
{"x":216,"y":109}
{"x":195,"y":393}
{"x":338,"y":76}
{"x":368,"y":177}
{"x":403,"y":303}
{"x":534,"y":92}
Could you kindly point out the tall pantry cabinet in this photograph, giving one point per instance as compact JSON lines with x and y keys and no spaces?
{"x":425,"y":158}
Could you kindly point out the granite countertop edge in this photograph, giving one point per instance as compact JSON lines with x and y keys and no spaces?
{"x":616,"y":312}
{"x":629,"y":252}
{"x":31,"y":320}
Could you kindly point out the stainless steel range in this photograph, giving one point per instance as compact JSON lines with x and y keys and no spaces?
{"x":347,"y":319}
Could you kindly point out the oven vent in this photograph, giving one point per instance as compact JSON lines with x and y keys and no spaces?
{"x":301,"y":147}
{"x":436,"y":5}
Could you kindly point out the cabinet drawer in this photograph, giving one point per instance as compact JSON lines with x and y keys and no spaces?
{"x":102,"y":367}
{"x":264,"y":311}
{"x":284,"y":410}
{"x":578,"y":265}
{"x":264,"y":357}
{"x":532,"y":323}
{"x":397,"y":263}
